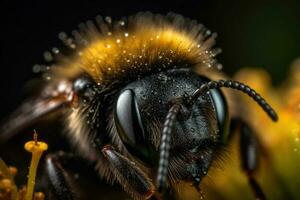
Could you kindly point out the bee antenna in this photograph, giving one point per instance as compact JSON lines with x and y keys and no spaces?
{"x":165,"y":146}
{"x":237,"y":86}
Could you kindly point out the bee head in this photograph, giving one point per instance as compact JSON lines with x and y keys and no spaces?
{"x":175,"y":121}
{"x":140,"y":111}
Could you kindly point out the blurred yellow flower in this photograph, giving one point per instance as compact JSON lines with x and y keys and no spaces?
{"x":280,"y":142}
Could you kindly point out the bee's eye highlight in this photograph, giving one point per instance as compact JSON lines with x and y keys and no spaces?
{"x":129,"y":124}
{"x":221,"y":108}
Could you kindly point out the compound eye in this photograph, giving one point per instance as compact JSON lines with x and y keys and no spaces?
{"x":221,"y":108}
{"x":84,"y":88}
{"x":129,"y":124}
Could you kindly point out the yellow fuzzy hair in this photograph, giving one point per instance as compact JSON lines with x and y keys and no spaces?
{"x":139,"y":45}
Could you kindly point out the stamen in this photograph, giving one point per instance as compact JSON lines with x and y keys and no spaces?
{"x":36,"y":148}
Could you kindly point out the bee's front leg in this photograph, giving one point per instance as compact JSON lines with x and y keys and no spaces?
{"x":129,"y":175}
{"x":59,"y":178}
{"x":249,"y":155}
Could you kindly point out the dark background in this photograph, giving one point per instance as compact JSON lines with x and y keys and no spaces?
{"x":264,"y":33}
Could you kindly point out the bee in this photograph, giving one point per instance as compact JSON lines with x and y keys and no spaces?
{"x":141,"y":102}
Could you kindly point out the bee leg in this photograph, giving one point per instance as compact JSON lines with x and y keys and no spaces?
{"x":132,"y":178}
{"x":249,"y":153}
{"x":59,"y":178}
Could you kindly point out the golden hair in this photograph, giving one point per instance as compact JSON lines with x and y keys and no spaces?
{"x":138,"y":45}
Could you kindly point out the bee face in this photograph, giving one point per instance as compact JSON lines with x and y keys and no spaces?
{"x":140,"y":111}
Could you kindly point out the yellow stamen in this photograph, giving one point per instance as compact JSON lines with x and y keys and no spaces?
{"x":36,"y":148}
